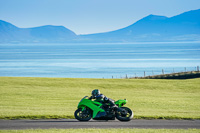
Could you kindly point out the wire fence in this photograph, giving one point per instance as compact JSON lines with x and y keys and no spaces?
{"x":144,"y":74}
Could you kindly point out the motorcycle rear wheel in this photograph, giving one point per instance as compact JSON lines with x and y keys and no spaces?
{"x":125,"y":114}
{"x":84,"y":115}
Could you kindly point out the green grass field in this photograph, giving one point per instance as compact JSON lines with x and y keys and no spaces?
{"x":34,"y":98}
{"x":103,"y":131}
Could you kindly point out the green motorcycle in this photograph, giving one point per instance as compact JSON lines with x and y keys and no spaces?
{"x":88,"y":109}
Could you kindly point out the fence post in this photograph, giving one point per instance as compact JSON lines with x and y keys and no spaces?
{"x":112,"y":77}
{"x":198,"y":68}
{"x":163,"y":71}
{"x":185,"y":69}
{"x":144,"y":74}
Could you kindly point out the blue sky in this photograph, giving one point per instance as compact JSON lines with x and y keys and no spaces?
{"x":89,"y":16}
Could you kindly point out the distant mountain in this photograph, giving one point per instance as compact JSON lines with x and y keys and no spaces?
{"x":183,"y":27}
{"x":48,"y":33}
{"x":51,"y":33}
{"x":9,"y":32}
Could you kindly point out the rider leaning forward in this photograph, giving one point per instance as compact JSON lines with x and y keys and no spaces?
{"x":102,"y":98}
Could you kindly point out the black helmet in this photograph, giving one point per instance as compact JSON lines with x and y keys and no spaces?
{"x":95,"y":92}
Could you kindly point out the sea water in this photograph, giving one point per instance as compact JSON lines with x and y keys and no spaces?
{"x":97,"y":60}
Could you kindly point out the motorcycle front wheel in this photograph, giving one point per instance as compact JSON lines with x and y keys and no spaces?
{"x":84,"y":115}
{"x":124,"y":114}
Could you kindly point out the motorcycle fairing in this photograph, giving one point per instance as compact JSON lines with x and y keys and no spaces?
{"x":94,"y":106}
{"x":121,"y":103}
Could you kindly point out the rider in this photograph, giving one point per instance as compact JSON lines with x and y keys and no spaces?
{"x":101,"y":98}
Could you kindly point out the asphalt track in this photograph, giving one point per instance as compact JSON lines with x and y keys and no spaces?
{"x":72,"y":123}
